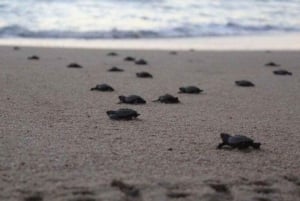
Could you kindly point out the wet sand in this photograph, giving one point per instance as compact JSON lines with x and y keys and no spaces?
{"x":57,"y":143}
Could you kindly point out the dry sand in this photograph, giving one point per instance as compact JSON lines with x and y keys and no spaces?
{"x":57,"y":143}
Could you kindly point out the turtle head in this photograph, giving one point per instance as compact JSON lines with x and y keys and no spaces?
{"x":109,"y":112}
{"x":225,"y":137}
{"x":122,"y":99}
{"x":181,"y":89}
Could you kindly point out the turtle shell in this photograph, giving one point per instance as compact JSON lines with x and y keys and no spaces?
{"x":244,"y":83}
{"x":122,"y":114}
{"x":129,"y":59}
{"x":272,"y":64}
{"x":74,"y":65}
{"x":141,"y":62}
{"x":167,"y":98}
{"x":144,"y":75}
{"x":239,"y":139}
{"x":115,"y":69}
{"x":132,"y":99}
{"x":282,"y":72}
{"x":190,"y":90}
{"x":102,"y":87}
{"x":112,"y":54}
{"x":33,"y":57}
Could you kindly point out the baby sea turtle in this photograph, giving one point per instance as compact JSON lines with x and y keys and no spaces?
{"x":33,"y":57}
{"x":237,"y":141}
{"x":115,"y":69}
{"x":112,"y":54}
{"x":173,"y":52}
{"x":244,"y":83}
{"x":282,"y":72}
{"x":102,"y":87}
{"x":74,"y":65}
{"x":272,"y":64}
{"x":122,"y":114}
{"x":129,"y":190}
{"x":129,"y":59}
{"x":16,"y":48}
{"x":132,"y":99}
{"x":141,"y":62}
{"x":190,"y":90}
{"x":167,"y":98}
{"x":144,"y":74}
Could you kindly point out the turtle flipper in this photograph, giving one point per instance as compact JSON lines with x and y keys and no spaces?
{"x":221,"y":145}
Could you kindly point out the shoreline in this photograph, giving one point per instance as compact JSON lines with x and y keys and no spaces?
{"x":240,"y":43}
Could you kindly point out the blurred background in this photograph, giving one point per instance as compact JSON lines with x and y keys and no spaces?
{"x":101,"y":19}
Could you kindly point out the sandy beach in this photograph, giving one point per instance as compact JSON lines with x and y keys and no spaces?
{"x":57,"y":143}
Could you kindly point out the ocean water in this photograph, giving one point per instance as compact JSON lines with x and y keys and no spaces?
{"x":98,"y":19}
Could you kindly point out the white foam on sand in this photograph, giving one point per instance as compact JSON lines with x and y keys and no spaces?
{"x":262,"y":42}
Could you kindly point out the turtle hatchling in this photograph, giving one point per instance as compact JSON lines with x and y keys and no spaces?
{"x":132,"y":99}
{"x":237,"y":141}
{"x":112,"y":54}
{"x":74,"y":65}
{"x":272,"y":64}
{"x":282,"y":72}
{"x":244,"y":83}
{"x":129,"y":59}
{"x":122,"y":114}
{"x":141,"y":62}
{"x":144,"y":75}
{"x":190,"y":90}
{"x":33,"y":57}
{"x":16,"y":48}
{"x":167,"y":98}
{"x":102,"y":87}
{"x":115,"y":69}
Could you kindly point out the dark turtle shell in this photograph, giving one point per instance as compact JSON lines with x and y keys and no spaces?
{"x":167,"y":98}
{"x":16,"y":48}
{"x":129,"y":59}
{"x":112,"y":54}
{"x":272,"y":64}
{"x":244,"y":83}
{"x":33,"y":57}
{"x":237,"y":141}
{"x":141,"y":62}
{"x":128,"y":189}
{"x":190,"y":90}
{"x":115,"y":69}
{"x":102,"y":87}
{"x":122,"y":114}
{"x":74,"y":65}
{"x":132,"y":99}
{"x":144,"y":75}
{"x":282,"y":72}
